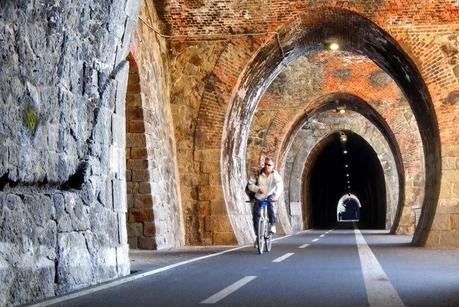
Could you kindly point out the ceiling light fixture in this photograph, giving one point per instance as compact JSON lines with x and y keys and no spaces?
{"x":342,"y":137}
{"x":340,"y":109}
{"x":333,"y":46}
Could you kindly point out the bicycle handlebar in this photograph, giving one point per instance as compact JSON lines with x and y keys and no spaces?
{"x":260,"y":200}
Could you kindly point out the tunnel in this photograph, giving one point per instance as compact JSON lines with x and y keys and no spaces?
{"x":330,"y":178}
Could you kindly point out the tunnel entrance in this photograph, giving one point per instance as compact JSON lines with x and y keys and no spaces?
{"x":330,"y":179}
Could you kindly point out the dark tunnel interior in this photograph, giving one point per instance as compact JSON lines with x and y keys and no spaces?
{"x":328,"y":182}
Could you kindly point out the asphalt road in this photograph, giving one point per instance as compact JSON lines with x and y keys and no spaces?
{"x":335,"y":269}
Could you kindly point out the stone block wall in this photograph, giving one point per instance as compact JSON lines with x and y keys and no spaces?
{"x":62,"y":145}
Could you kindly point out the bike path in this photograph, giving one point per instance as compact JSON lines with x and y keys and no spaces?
{"x":326,"y":273}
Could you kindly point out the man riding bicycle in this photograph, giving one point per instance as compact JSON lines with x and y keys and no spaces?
{"x":267,"y":186}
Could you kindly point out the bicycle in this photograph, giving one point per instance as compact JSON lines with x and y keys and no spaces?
{"x":264,"y":235}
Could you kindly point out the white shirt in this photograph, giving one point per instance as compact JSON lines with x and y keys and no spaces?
{"x":272,"y":185}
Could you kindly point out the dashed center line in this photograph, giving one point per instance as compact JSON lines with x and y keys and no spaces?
{"x":228,"y":290}
{"x":322,"y":235}
{"x":281,"y":258}
{"x":315,"y":240}
{"x":303,"y":246}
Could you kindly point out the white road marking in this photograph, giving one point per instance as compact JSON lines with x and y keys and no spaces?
{"x":130,"y":278}
{"x":322,"y":235}
{"x":228,"y":290}
{"x":380,"y":291}
{"x":283,"y":257}
{"x":303,"y":246}
{"x":315,"y":240}
{"x":293,"y":234}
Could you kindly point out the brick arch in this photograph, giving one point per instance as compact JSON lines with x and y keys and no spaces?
{"x":307,"y":143}
{"x":318,"y":145}
{"x":356,"y":104}
{"x":383,"y":99}
{"x":400,"y":141}
{"x":409,"y":162}
{"x":298,"y":38}
{"x":289,"y":130}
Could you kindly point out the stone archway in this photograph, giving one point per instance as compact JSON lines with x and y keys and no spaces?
{"x":323,"y":184}
{"x":307,"y":33}
{"x":409,"y":159}
{"x":355,"y":123}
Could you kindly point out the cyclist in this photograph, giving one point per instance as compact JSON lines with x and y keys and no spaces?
{"x":268,"y":185}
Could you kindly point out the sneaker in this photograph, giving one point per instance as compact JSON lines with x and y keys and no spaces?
{"x":273,"y":229}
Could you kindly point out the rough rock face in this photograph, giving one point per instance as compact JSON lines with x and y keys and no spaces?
{"x":62,"y":178}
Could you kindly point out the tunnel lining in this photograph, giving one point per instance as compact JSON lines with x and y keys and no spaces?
{"x":356,"y":104}
{"x":308,"y":33}
{"x":374,"y":205}
{"x":333,"y":123}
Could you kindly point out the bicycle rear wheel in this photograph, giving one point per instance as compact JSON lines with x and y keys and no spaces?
{"x":260,"y":235}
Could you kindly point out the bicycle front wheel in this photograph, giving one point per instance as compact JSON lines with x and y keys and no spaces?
{"x":260,"y":235}
{"x":268,"y":239}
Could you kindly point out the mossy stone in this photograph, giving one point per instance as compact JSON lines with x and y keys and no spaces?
{"x":30,"y":118}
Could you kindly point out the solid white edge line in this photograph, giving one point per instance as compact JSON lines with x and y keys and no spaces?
{"x":304,"y":245}
{"x":129,"y":278}
{"x":380,"y":291}
{"x":228,"y":290}
{"x":283,"y":257}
